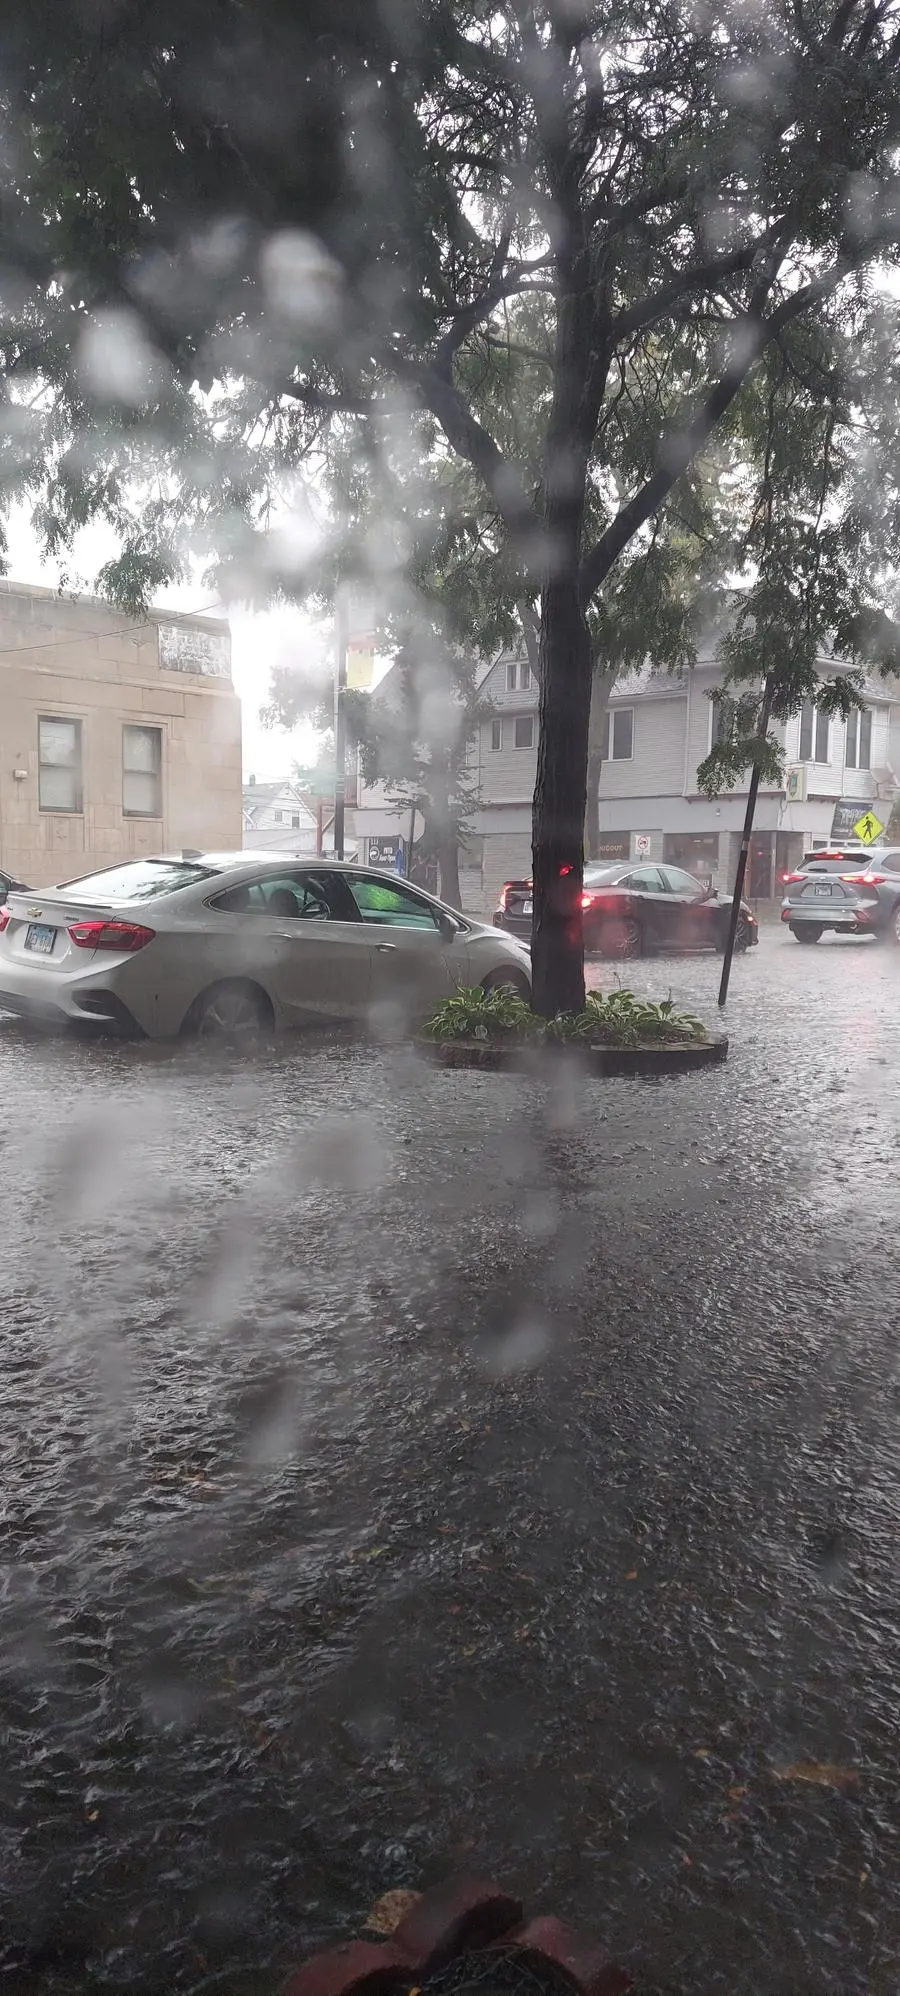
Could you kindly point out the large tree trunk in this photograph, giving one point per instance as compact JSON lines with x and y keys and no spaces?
{"x":601,"y":687}
{"x":442,"y":833}
{"x":447,"y":852}
{"x":557,"y":954}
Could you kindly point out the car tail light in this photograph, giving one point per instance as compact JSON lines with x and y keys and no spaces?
{"x":5,"y":918}
{"x":125,"y":937}
{"x":787,"y":877}
{"x":589,"y":900}
{"x":866,"y":879}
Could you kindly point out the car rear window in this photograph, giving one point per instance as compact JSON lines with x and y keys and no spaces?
{"x":851,"y":862}
{"x":136,"y":880}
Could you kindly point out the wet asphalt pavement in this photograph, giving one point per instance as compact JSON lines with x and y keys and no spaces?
{"x":404,"y":1471}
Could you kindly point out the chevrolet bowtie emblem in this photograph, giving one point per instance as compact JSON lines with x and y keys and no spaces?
{"x":32,"y":911}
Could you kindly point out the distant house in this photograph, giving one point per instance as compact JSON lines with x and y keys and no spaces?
{"x":282,"y":817}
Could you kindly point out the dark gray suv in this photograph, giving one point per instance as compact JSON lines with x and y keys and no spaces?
{"x":856,"y":894}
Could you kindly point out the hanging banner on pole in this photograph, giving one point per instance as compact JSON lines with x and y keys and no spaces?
{"x":360,"y":659}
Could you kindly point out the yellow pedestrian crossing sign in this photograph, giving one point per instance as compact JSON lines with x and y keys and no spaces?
{"x":868,"y":828}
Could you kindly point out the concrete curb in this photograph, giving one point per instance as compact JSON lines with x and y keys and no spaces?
{"x":599,"y":1062}
{"x":460,"y":1917}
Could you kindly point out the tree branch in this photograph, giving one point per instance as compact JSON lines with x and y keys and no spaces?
{"x":473,"y":442}
{"x":677,"y":451}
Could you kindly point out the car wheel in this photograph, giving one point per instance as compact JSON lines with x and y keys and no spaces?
{"x":621,"y":938}
{"x":513,"y":981}
{"x":237,"y":1015}
{"x":810,"y":933}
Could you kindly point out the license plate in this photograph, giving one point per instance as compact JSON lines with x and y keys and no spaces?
{"x":824,"y":890}
{"x":527,"y":907}
{"x":39,"y":938}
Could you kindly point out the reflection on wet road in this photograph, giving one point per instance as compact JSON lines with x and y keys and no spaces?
{"x":405,"y":1470}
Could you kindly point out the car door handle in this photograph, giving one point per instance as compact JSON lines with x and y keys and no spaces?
{"x":384,"y":947}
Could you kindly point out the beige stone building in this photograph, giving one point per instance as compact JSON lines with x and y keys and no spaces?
{"x":118,"y":736}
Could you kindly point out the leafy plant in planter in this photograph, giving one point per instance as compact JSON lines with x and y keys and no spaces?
{"x":623,"y":1020}
{"x":619,"y":1020}
{"x":476,"y":1014}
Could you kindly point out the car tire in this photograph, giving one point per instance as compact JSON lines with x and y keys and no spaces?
{"x":621,"y":939}
{"x":513,"y":981}
{"x":808,"y":934}
{"x":741,"y":939}
{"x":233,"y":1014}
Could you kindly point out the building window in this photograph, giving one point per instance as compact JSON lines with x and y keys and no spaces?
{"x":142,"y":772}
{"x":813,"y":733}
{"x":59,"y":764}
{"x":277,"y":817}
{"x":618,"y":739}
{"x":858,"y":752}
{"x":496,"y":734}
{"x":723,"y":722}
{"x":295,"y":821}
{"x":518,"y":676}
{"x":524,"y":736}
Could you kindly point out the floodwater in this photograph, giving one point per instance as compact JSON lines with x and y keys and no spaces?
{"x":404,"y":1471}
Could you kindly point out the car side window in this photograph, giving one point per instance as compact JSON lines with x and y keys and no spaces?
{"x":683,"y":883}
{"x":890,"y":863}
{"x":390,"y":906}
{"x":646,"y":880}
{"x":305,"y":897}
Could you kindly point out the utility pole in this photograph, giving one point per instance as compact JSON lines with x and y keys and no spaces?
{"x":746,"y":835}
{"x":340,"y":721}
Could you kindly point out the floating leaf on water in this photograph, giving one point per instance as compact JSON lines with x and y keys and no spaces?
{"x":821,"y":1773}
{"x":388,"y":1911}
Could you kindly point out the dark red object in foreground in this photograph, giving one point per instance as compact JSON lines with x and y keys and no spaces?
{"x":459,"y":1917}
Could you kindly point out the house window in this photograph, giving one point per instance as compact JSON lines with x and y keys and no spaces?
{"x":295,"y":821}
{"x":813,"y":733}
{"x":722,"y":725}
{"x":496,"y":734}
{"x":618,"y":738}
{"x":142,"y":772}
{"x":518,"y":676}
{"x":59,"y":764}
{"x":858,"y":752}
{"x":524,"y":726}
{"x":278,"y":817}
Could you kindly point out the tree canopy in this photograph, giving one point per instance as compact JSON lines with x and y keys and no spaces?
{"x":544,"y":244}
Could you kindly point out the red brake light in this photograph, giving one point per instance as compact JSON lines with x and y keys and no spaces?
{"x":125,"y":937}
{"x":786,"y":877}
{"x":867,"y":879}
{"x":5,"y":918}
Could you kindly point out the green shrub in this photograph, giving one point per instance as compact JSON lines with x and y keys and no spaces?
{"x":475,"y":1014}
{"x":619,"y":1019}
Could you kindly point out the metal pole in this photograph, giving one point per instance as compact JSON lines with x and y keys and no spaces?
{"x":340,"y":724}
{"x":746,"y":836}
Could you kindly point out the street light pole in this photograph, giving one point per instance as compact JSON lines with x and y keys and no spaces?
{"x":340,"y":722}
{"x":746,"y":835}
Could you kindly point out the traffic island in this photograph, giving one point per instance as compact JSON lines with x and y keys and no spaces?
{"x":464,"y":1937}
{"x":606,"y":1061}
{"x":620,"y":1034}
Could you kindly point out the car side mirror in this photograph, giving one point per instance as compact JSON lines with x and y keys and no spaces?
{"x":448,"y":927}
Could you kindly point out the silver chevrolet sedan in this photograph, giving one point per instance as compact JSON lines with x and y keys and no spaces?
{"x":232,"y":946}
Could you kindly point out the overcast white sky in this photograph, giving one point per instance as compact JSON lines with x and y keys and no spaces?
{"x":257,"y":642}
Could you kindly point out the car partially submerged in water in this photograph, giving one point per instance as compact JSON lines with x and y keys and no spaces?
{"x":234,"y":945}
{"x":634,"y":908}
{"x":850,"y":892}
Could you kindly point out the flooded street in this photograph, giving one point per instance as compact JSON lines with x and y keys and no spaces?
{"x":404,"y":1471}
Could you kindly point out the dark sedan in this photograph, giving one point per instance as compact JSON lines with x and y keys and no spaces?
{"x":632,"y":910}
